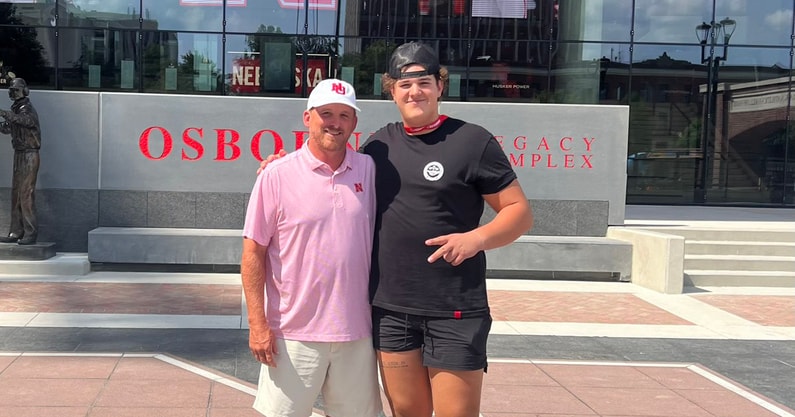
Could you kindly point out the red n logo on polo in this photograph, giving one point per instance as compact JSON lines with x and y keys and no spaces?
{"x":358,"y":187}
{"x":338,"y":88}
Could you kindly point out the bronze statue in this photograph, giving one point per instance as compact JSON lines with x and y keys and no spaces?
{"x":22,"y":123}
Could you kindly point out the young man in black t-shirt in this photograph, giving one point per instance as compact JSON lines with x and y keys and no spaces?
{"x":428,"y":285}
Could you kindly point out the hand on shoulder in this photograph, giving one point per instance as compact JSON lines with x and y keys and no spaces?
{"x":270,"y":159}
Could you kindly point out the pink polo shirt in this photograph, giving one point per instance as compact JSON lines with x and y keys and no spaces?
{"x":318,"y":226}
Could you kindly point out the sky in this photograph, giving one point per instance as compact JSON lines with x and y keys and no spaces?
{"x":766,"y":22}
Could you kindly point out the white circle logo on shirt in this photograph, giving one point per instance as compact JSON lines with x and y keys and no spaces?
{"x":433,"y":171}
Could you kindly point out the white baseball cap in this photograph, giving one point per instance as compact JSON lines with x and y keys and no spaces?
{"x":332,"y":91}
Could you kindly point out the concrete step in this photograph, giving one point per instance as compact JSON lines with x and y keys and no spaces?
{"x":63,"y":263}
{"x":723,"y":278}
{"x":719,"y":247}
{"x":727,"y":234}
{"x":740,"y":263}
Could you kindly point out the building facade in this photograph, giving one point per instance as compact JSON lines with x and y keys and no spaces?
{"x":708,"y":82}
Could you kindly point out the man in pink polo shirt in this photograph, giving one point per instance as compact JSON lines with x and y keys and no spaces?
{"x":307,"y":241}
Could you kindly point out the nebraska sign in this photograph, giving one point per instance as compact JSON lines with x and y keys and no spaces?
{"x":246,"y":74}
{"x":313,"y":4}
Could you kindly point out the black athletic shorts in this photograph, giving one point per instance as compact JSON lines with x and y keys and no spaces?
{"x":446,"y":343}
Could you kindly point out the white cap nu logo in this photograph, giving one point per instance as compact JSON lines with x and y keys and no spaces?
{"x":338,"y":88}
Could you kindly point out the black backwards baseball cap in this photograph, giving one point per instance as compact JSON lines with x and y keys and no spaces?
{"x":413,"y":53}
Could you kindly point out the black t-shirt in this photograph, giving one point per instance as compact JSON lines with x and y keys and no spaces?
{"x":427,"y":186}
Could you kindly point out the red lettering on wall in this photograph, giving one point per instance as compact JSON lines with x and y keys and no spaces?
{"x":357,"y":140}
{"x":563,"y":147}
{"x":220,"y":135}
{"x":357,"y":137}
{"x":143,"y":143}
{"x":568,"y":161}
{"x":517,"y":162}
{"x":543,"y":144}
{"x":156,"y":143}
{"x":520,"y":143}
{"x":278,"y":144}
{"x":193,"y":144}
{"x":586,"y":162}
{"x":299,"y":138}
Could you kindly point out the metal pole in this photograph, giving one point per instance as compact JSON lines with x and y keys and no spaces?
{"x":710,"y":157}
{"x":706,"y":130}
{"x":304,"y":56}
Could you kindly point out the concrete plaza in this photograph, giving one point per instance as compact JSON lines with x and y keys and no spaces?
{"x":171,"y":344}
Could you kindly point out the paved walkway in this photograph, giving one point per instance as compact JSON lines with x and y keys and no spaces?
{"x":39,"y":381}
{"x":174,"y":345}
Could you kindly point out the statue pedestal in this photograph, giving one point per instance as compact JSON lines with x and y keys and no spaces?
{"x":38,"y":251}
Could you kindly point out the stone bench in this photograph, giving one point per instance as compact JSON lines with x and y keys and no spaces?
{"x":561,"y":257}
{"x":541,"y":254}
{"x":160,"y":245}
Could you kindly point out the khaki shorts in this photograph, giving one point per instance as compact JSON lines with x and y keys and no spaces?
{"x":344,"y":372}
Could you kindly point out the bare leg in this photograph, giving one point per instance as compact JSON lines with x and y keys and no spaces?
{"x":456,"y":393}
{"x":406,"y":383}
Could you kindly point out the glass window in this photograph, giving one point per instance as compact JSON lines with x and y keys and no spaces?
{"x":520,"y":75}
{"x":161,"y":69}
{"x":410,"y":20}
{"x":667,"y":120}
{"x":780,"y":165}
{"x":184,"y":15}
{"x":99,"y":14}
{"x":243,"y":62}
{"x":28,"y":53}
{"x":595,"y":20}
{"x":275,"y":64}
{"x":751,"y":127}
{"x":499,"y":81}
{"x":15,"y":12}
{"x":579,"y":72}
{"x":748,"y":64}
{"x":362,"y":62}
{"x":98,"y":59}
{"x":284,"y":16}
{"x":199,"y":64}
{"x":758,"y":23}
{"x":652,"y":53}
{"x":613,"y":80}
{"x":662,"y":21}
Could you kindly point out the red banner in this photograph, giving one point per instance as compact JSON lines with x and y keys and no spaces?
{"x":318,"y":71}
{"x":245,"y":75}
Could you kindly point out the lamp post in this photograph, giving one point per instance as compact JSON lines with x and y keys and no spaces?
{"x":711,"y":33}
